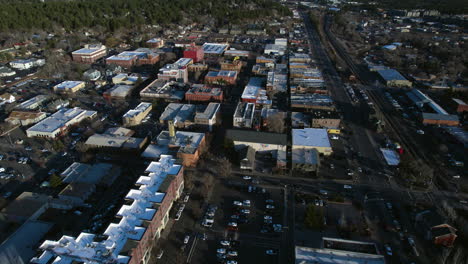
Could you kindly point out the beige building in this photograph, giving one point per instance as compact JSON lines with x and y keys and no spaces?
{"x":69,"y":86}
{"x":25,"y":118}
{"x":134,"y":116}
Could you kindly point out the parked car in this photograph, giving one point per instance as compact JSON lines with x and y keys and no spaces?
{"x":271,"y":252}
{"x":388,"y":250}
{"x":186,"y":239}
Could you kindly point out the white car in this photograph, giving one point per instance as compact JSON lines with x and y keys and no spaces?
{"x":268,"y":217}
{"x":246,"y":203}
{"x":232,"y":253}
{"x":269,"y":206}
{"x":347,"y":186}
{"x":245,"y":211}
{"x":186,"y":198}
{"x":420,"y":132}
{"x":186,"y":239}
{"x":221,"y":251}
{"x":225,"y":243}
{"x":2,"y":169}
{"x":237,"y":203}
{"x":247,"y":178}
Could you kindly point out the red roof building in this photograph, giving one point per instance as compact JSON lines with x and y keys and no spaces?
{"x":194,"y":52}
{"x":201,"y":93}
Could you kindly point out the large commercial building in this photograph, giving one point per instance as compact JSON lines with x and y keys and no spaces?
{"x":312,"y":138}
{"x":25,"y":118}
{"x":69,"y":86}
{"x":180,"y":114}
{"x":90,"y":53}
{"x":177,"y":71}
{"x":210,"y":117}
{"x":134,"y":116}
{"x":140,"y":223}
{"x":58,"y":123}
{"x":202,"y":93}
{"x":26,"y":64}
{"x":127,"y":59}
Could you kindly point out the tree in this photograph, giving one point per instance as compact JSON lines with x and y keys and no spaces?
{"x":275,"y":123}
{"x":314,"y":217}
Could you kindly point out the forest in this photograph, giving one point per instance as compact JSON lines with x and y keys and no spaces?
{"x":114,"y":14}
{"x":445,"y":7}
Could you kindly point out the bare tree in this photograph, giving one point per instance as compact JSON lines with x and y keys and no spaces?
{"x":275,"y":123}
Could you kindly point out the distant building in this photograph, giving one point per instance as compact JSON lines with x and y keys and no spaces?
{"x":33,"y":103}
{"x":25,"y":118}
{"x":134,"y":116}
{"x":177,"y":71}
{"x":210,"y":117}
{"x":26,"y":64}
{"x":305,"y":160}
{"x":221,"y":77}
{"x":214,"y":49}
{"x":118,"y":91}
{"x":138,"y":57}
{"x":201,"y":93}
{"x":5,"y":71}
{"x":194,"y":52}
{"x":166,"y":90}
{"x":244,"y":115}
{"x":237,"y":53}
{"x":155,"y":43}
{"x":312,"y":102}
{"x":312,"y":138}
{"x":234,"y":65}
{"x":58,"y":123}
{"x":114,"y":140}
{"x":393,"y":78}
{"x":90,"y":53}
{"x":274,"y":49}
{"x":140,"y":222}
{"x":128,"y":79}
{"x":69,"y":86}
{"x":325,"y":119}
{"x":260,"y":141}
{"x":339,"y":251}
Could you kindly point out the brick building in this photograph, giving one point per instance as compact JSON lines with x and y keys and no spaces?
{"x":90,"y":53}
{"x":155,"y":43}
{"x":201,"y":93}
{"x":440,"y":119}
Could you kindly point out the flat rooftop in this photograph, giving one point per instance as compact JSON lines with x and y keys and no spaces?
{"x":253,"y":88}
{"x":209,"y":112}
{"x":311,"y":137}
{"x":89,"y":49}
{"x":305,"y":255}
{"x":214,"y":48}
{"x":391,"y":75}
{"x":187,"y":142}
{"x":257,"y":137}
{"x":61,"y":118}
{"x":142,"y":107}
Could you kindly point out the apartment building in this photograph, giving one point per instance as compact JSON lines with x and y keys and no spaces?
{"x":69,"y":87}
{"x":140,"y":222}
{"x":177,"y":71}
{"x":138,"y":57}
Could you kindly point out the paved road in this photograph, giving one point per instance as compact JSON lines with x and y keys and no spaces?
{"x":361,"y":139}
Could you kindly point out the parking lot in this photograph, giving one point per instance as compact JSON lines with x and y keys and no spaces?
{"x":242,"y":226}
